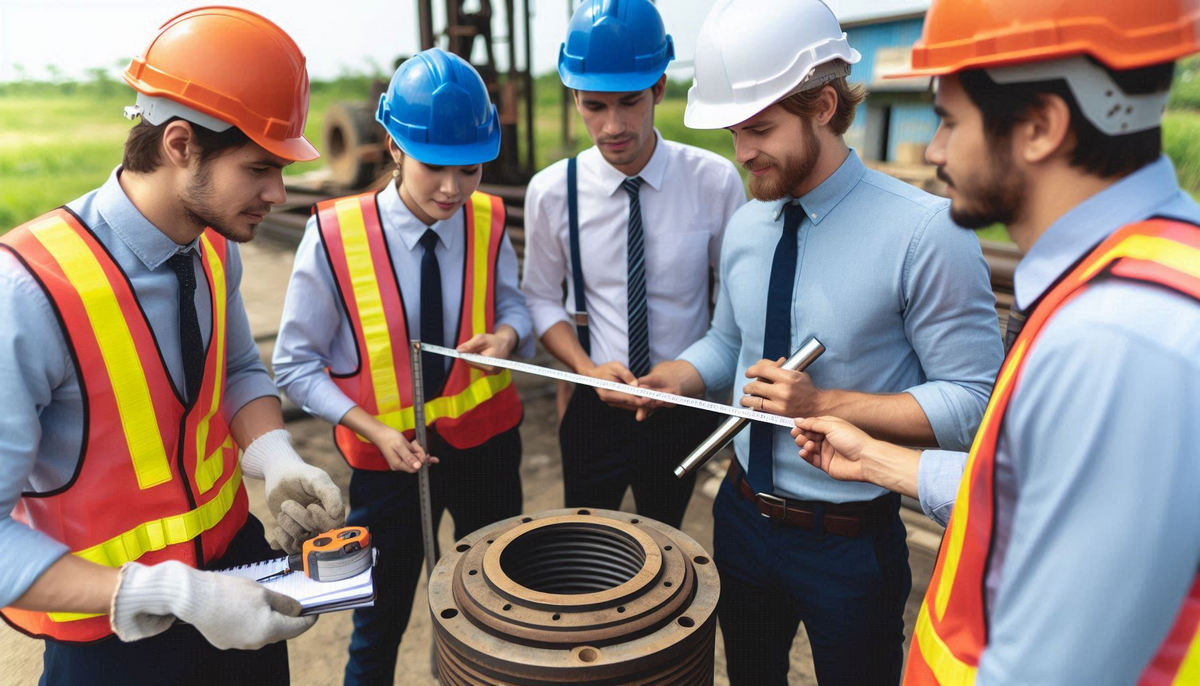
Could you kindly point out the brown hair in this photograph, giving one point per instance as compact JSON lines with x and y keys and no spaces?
{"x":804,"y":103}
{"x":142,"y":146}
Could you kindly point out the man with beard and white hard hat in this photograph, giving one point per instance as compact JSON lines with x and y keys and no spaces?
{"x":647,"y":215}
{"x":1073,"y":537}
{"x":900,"y":297}
{"x":131,"y":381}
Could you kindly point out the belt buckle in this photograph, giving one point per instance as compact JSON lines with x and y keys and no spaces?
{"x":772,"y":499}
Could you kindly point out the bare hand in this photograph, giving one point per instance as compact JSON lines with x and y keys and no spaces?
{"x":672,"y":376}
{"x":400,"y":453}
{"x":499,"y":344}
{"x":779,"y":391}
{"x":832,"y":445}
{"x":615,"y":371}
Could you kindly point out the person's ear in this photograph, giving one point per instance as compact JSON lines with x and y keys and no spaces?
{"x":659,"y":89}
{"x":178,"y":147}
{"x":827,"y":103}
{"x":1044,"y":132}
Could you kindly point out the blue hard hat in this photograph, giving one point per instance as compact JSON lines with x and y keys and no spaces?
{"x":614,"y":46}
{"x":437,"y":110}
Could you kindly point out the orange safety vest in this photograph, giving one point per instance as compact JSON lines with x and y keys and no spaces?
{"x":157,"y":480}
{"x":951,"y":630}
{"x":472,"y":406}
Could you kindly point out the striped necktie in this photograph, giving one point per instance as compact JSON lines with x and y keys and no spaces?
{"x":639,"y":327}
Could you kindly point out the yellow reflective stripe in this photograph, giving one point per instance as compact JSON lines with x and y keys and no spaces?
{"x":210,"y":468}
{"x":158,"y":534}
{"x":1189,"y":669}
{"x":450,"y":406}
{"x":482,"y":207}
{"x":947,"y":668}
{"x":121,"y":359}
{"x":956,"y":533}
{"x":364,"y":282}
{"x":1169,"y":253}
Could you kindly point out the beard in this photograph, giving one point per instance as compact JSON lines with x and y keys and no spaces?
{"x":787,"y":175}
{"x":993,"y":198}
{"x":200,"y":209}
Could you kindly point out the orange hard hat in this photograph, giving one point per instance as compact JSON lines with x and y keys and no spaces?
{"x":974,"y":34}
{"x":234,"y":65}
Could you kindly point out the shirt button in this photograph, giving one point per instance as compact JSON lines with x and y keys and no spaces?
{"x":813,"y":215}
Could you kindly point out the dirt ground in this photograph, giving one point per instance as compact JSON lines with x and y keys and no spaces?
{"x":318,"y":656}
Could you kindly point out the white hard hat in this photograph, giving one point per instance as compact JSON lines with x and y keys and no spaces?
{"x":753,"y":53}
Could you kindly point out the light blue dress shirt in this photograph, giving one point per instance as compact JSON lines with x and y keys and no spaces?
{"x":41,"y":406}
{"x":315,"y":335}
{"x":1097,"y":535}
{"x":899,"y":295}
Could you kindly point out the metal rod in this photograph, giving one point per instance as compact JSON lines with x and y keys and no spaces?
{"x":810,"y":350}
{"x":418,"y":396}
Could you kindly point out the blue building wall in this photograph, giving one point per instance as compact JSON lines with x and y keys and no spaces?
{"x":911,"y":117}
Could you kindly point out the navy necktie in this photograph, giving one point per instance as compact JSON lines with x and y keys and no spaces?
{"x":639,"y":325}
{"x":432,"y":366}
{"x":777,"y":337}
{"x":191,"y":347}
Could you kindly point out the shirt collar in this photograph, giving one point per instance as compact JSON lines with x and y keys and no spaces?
{"x":820,"y":201}
{"x":1072,"y":235}
{"x":398,"y":217}
{"x":652,"y":174}
{"x":145,"y":240}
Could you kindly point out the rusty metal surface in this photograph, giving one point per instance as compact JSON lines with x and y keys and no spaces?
{"x":575,"y":596}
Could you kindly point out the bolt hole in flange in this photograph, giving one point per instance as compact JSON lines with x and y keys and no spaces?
{"x":576,"y":596}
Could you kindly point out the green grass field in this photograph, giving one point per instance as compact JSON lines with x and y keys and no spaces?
{"x":58,"y":141}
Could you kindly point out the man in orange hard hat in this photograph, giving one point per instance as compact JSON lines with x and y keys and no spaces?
{"x":1072,"y":552}
{"x":131,"y":381}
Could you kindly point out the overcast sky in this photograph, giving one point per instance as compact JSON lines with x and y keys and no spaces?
{"x":350,"y":35}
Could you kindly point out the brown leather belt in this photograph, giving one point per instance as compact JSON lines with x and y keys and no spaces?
{"x":844,"y":519}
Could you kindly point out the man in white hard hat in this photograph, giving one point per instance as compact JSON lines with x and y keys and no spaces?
{"x":873,"y":268}
{"x":647,"y":215}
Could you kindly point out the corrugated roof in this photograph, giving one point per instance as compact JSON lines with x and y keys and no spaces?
{"x":859,"y":11}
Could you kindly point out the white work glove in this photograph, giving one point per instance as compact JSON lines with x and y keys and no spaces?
{"x":302,"y":498}
{"x":230,"y":611}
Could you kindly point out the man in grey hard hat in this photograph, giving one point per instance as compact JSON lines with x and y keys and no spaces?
{"x":873,"y":268}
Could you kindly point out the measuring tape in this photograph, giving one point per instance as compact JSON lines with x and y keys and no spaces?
{"x":731,"y":410}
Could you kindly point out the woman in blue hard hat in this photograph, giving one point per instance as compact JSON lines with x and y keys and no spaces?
{"x":425,"y":258}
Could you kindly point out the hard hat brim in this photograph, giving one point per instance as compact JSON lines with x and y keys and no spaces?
{"x":293,"y":149}
{"x":700,"y":115}
{"x":610,"y":83}
{"x":452,"y":155}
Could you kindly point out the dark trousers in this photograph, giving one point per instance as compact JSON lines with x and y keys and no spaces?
{"x":605,"y":450}
{"x":849,"y":592}
{"x":478,"y":486}
{"x":179,"y":655}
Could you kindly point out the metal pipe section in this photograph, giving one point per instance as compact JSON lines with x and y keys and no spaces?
{"x":575,"y":596}
{"x":810,"y":350}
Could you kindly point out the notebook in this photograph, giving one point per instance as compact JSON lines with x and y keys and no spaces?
{"x":315,"y":597}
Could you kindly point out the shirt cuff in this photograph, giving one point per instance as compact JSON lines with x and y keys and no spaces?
{"x":938,"y":475}
{"x":713,"y":368}
{"x":950,"y":431}
{"x":525,"y":346}
{"x":18,"y":572}
{"x":246,"y":387}
{"x":544,"y":316}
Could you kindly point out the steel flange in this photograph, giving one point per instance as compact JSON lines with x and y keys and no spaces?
{"x":575,"y":596}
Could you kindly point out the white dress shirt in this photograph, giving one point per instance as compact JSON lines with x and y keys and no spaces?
{"x":686,"y":198}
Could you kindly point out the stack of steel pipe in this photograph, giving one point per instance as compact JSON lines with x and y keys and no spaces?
{"x":575,"y":596}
